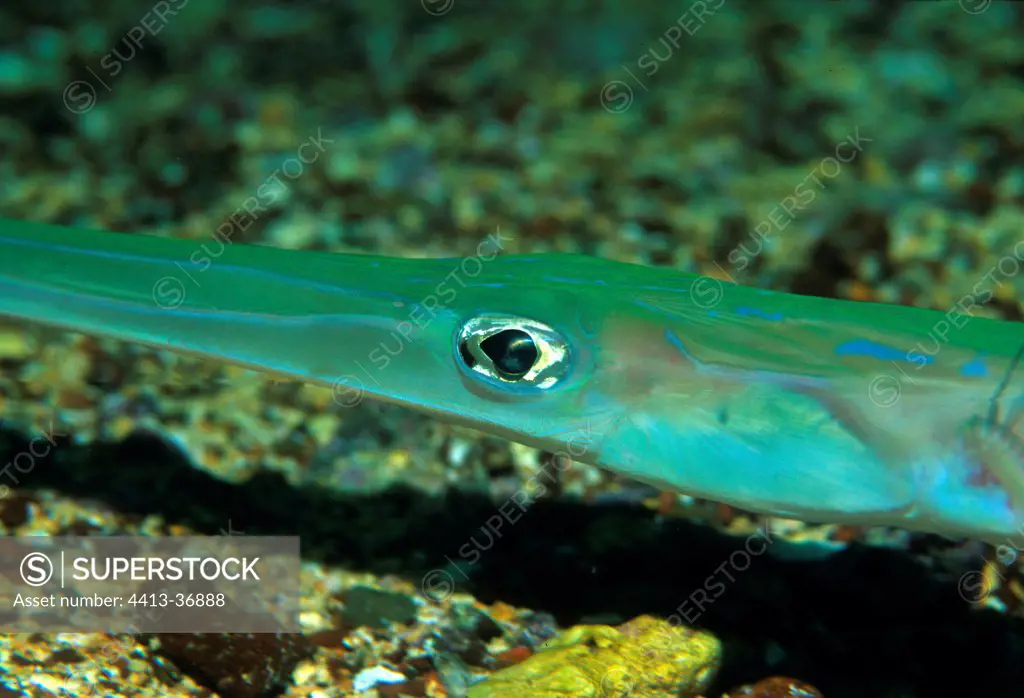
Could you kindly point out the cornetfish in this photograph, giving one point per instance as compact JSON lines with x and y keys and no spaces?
{"x":824,"y":410}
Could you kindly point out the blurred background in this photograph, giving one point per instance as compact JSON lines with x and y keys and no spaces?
{"x":861,"y":150}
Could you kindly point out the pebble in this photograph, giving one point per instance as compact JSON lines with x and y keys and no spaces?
{"x":776,"y":687}
{"x":15,"y":343}
{"x":368,"y":678}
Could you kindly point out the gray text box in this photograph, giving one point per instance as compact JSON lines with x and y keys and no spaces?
{"x":237,"y":584}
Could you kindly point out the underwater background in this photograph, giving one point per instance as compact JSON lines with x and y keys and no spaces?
{"x":860,"y":150}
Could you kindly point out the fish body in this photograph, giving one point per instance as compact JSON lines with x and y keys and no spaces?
{"x":819,"y":409}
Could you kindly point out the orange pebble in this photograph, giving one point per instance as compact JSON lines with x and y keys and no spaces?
{"x":860,"y":291}
{"x":502,"y":611}
{"x":513,"y":656}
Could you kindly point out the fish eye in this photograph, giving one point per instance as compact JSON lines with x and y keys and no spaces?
{"x":513,"y":350}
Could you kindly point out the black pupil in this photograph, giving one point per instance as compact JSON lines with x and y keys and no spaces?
{"x":513,"y":352}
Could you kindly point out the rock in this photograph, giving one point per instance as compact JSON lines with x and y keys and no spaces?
{"x":776,"y":687}
{"x":376,"y":608}
{"x":15,"y":343}
{"x":244,"y":665}
{"x":643,"y":657}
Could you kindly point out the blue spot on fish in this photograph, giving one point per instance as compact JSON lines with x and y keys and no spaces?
{"x":565,"y":280}
{"x":662,"y":288}
{"x":754,"y":312}
{"x":874,"y":350}
{"x":674,"y":340}
{"x":974,"y":369}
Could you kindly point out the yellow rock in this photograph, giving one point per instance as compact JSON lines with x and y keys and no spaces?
{"x":643,"y":657}
{"x":15,"y":343}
